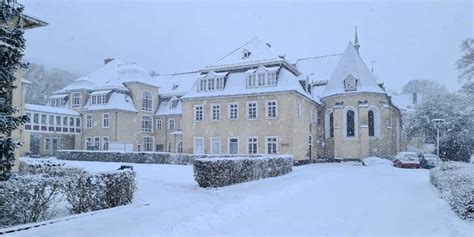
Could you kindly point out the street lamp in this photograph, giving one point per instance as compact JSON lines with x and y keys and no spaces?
{"x":437,"y":124}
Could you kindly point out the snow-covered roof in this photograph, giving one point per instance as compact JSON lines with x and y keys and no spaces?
{"x":258,"y":52}
{"x":351,"y":64}
{"x":175,"y":84}
{"x":111,"y":75}
{"x":116,"y":100}
{"x":49,"y":109}
{"x":166,"y":108}
{"x":236,"y":84}
{"x":318,"y":68}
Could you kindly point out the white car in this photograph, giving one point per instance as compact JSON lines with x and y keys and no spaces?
{"x":406,"y":160}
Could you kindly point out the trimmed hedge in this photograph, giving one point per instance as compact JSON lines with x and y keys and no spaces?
{"x":455,"y":180}
{"x":127,"y":157}
{"x":227,"y":170}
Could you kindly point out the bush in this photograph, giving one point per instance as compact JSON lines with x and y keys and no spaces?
{"x":90,"y":192}
{"x":455,"y":180}
{"x":28,"y":198}
{"x":223,"y":171}
{"x":128,"y":157}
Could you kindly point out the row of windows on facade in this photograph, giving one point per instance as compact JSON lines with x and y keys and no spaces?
{"x":102,"y":143}
{"x":211,"y":84}
{"x":271,"y":145}
{"x":53,"y":123}
{"x":146,"y":124}
{"x":350,"y":121}
{"x":76,"y":102}
{"x":271,"y":111}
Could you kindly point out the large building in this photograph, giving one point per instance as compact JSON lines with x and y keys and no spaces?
{"x":251,"y":101}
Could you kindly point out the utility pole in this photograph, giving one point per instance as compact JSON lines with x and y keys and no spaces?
{"x":437,"y":123}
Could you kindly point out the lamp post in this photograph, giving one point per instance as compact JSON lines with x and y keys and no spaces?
{"x":437,"y":124}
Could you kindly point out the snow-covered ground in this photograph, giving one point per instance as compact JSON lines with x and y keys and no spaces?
{"x":319,"y":199}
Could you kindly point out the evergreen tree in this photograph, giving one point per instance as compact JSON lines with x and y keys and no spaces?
{"x":12,"y":45}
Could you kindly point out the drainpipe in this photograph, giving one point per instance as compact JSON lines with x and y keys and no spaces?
{"x":116,"y":125}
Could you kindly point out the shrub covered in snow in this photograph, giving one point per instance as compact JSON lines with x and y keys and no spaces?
{"x":28,"y":198}
{"x":455,"y":180}
{"x":223,"y":171}
{"x":90,"y":192}
{"x":129,"y":157}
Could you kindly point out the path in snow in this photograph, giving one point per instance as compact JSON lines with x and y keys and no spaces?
{"x":313,"y":199}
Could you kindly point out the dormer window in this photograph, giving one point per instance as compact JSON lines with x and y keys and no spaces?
{"x":211,"y":82}
{"x":98,"y":99}
{"x":245,"y":54}
{"x":174,"y":102}
{"x":350,"y":83}
{"x":261,"y":77}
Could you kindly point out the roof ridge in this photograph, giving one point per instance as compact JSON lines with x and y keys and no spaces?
{"x":254,"y":38}
{"x":322,"y":56}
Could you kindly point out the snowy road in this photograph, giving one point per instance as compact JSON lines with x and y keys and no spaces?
{"x":322,"y":199}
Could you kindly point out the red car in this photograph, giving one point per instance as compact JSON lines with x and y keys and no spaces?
{"x":407,"y":160}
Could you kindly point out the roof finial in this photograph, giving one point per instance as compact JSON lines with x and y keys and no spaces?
{"x":356,"y":41}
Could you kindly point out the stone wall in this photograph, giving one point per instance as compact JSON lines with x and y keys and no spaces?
{"x":128,"y":157}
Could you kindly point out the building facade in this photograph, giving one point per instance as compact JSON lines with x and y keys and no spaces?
{"x":251,"y":101}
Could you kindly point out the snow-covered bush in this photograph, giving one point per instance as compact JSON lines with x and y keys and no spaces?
{"x":90,"y":192}
{"x":129,"y":157}
{"x":28,"y":198}
{"x":223,"y":171}
{"x":455,"y":180}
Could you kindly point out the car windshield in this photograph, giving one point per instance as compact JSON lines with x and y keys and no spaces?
{"x":410,"y":156}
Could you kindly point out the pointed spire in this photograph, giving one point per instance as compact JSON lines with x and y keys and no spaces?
{"x":356,"y":41}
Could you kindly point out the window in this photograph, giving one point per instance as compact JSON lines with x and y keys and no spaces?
{"x":174,"y":103}
{"x":76,"y":100}
{"x":98,"y":99}
{"x":43,"y":118}
{"x":47,"y":144}
{"x":202,"y":85}
{"x":147,"y":101}
{"x":215,"y":145}
{"x":252,"y":110}
{"x":58,"y":120}
{"x":71,"y":122}
{"x":331,"y":125}
{"x":198,"y":113}
{"x":89,"y":121}
{"x":252,"y":145}
{"x":51,"y":120}
{"x":373,"y":122}
{"x":216,"y":112}
{"x":105,"y":143}
{"x":36,"y":118}
{"x":96,"y":143}
{"x":78,"y":122}
{"x":251,"y":81}
{"x":219,"y":83}
{"x":179,"y":147}
{"x":146,"y":123}
{"x":233,"y":146}
{"x":271,"y":79}
{"x":87,"y":143}
{"x":147,"y":143}
{"x":198,"y":148}
{"x":158,"y":124}
{"x":271,"y":109}
{"x":105,"y":120}
{"x":171,"y":124}
{"x":350,"y":123}
{"x":261,"y":79}
{"x":271,"y":145}
{"x":211,"y":84}
{"x":65,"y":121}
{"x":233,"y":111}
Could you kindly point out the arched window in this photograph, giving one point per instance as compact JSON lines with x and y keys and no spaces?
{"x":350,"y":122}
{"x":329,"y":124}
{"x":179,"y":147}
{"x":147,"y":101}
{"x":373,"y":120}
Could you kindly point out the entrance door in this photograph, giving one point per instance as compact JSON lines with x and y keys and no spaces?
{"x":55,"y":146}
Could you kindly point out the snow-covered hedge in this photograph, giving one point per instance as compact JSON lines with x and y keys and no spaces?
{"x":90,"y":192}
{"x":224,"y":170}
{"x":128,"y":157}
{"x":455,"y":180}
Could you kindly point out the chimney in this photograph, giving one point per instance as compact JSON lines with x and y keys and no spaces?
{"x":269,"y":45}
{"x":108,"y":60}
{"x":415,"y":98}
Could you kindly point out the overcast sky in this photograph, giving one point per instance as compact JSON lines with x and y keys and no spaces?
{"x":407,"y":39}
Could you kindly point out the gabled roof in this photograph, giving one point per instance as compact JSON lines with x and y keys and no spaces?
{"x":49,"y":109}
{"x":111,"y":75}
{"x":165,"y":107}
{"x":317,"y":68}
{"x":351,"y":63}
{"x":116,"y":100}
{"x":259,"y":52}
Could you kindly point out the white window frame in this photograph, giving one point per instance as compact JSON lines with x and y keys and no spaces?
{"x":86,"y":139}
{"x":250,"y":143}
{"x":159,"y":124}
{"x":267,"y":143}
{"x":247,"y":107}
{"x":195,"y":113}
{"x":147,"y":101}
{"x":267,"y":109}
{"x":212,"y":147}
{"x":180,"y":142}
{"x":105,"y":120}
{"x":203,"y":145}
{"x":47,"y":144}
{"x":76,"y":100}
{"x":228,"y":145}
{"x":89,"y":121}
{"x":143,"y":123}
{"x":218,"y":112}
{"x":105,"y":140}
{"x":94,"y":142}
{"x":229,"y":111}
{"x":151,"y":143}
{"x":169,"y":124}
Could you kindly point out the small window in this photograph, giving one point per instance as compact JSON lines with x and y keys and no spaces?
{"x":105,"y":143}
{"x":252,"y":110}
{"x":203,"y":85}
{"x":198,"y":148}
{"x":147,"y":143}
{"x":88,"y":143}
{"x":43,"y":118}
{"x":198,"y":113}
{"x":215,"y":112}
{"x":179,"y":147}
{"x":36,"y":118}
{"x":158,"y":124}
{"x":252,"y":145}
{"x":174,"y":103}
{"x":147,"y":101}
{"x":146,"y":123}
{"x":271,"y":145}
{"x":105,"y":120}
{"x":51,"y":120}
{"x":97,"y":143}
{"x":233,"y":111}
{"x":211,"y":84}
{"x":89,"y":121}
{"x":350,"y":123}
{"x":47,"y":144}
{"x":76,"y":100}
{"x":233,"y":146}
{"x":171,"y":124}
{"x":271,"y":109}
{"x":215,"y":145}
